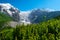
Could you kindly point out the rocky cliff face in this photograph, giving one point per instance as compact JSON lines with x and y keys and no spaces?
{"x":39,"y":15}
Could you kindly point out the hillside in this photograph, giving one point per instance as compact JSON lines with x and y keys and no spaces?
{"x":4,"y":19}
{"x":48,"y":30}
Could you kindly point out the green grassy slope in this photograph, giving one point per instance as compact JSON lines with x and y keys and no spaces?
{"x":4,"y":19}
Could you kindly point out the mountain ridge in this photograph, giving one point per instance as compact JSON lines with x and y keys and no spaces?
{"x":30,"y":16}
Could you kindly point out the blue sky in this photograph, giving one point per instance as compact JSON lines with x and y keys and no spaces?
{"x":31,"y":4}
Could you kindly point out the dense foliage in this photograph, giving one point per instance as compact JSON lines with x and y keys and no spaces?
{"x":48,"y":30}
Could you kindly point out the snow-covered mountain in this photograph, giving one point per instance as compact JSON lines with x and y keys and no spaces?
{"x":15,"y":13}
{"x":10,"y":10}
{"x":27,"y":17}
